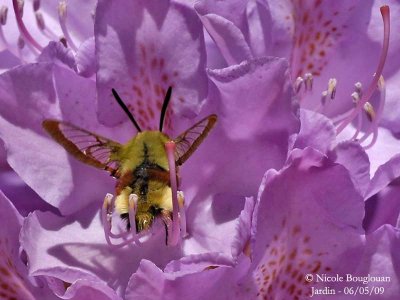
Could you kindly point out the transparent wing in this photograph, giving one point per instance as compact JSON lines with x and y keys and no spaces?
{"x":84,"y":145}
{"x":188,"y":141}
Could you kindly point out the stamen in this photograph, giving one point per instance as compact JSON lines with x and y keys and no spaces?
{"x":332,"y":87}
{"x":182,"y":215}
{"x":308,"y":81}
{"x":62,"y":17}
{"x":298,"y":83}
{"x":356,"y":97}
{"x":358,"y":88}
{"x":106,"y":220}
{"x":20,"y":42}
{"x":385,"y":12}
{"x":133,"y":198}
{"x":174,"y":237}
{"x":21,"y":4}
{"x":324,"y":94}
{"x":40,"y":20}
{"x":36,"y":5}
{"x":24,"y":32}
{"x":373,"y":127}
{"x":370,"y":112}
{"x":3,"y":15}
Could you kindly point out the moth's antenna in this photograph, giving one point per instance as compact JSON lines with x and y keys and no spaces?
{"x":164,"y":107}
{"x":126,"y":110}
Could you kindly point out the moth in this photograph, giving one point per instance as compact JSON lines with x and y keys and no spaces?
{"x":140,"y":166}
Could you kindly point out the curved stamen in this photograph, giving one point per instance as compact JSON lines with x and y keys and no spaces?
{"x":374,"y":125}
{"x":174,"y":237}
{"x":62,"y":17}
{"x":24,"y":32}
{"x":106,"y":220}
{"x":385,"y":12}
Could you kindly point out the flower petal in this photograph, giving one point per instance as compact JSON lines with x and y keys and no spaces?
{"x":256,"y":116}
{"x":383,"y":208}
{"x":316,"y":131}
{"x":381,"y":259}
{"x":151,"y":283}
{"x":56,"y":50}
{"x":309,"y":215}
{"x":138,"y":59}
{"x":69,"y":248}
{"x":353,"y":157}
{"x":29,"y":98}
{"x":227,"y":37}
{"x":85,"y":58}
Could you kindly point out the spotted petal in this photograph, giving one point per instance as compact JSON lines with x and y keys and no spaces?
{"x":137,"y":57}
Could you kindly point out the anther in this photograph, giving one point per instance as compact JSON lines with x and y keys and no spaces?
{"x":356,"y":97}
{"x":358,"y":88}
{"x":3,"y":15}
{"x":36,"y":5}
{"x":62,"y":17}
{"x":324,"y":94}
{"x":332,"y":87}
{"x":21,"y":42}
{"x":63,"y":41}
{"x":62,"y":10}
{"x":20,"y":7}
{"x":308,"y":81}
{"x":39,"y":20}
{"x":298,"y":83}
{"x":369,"y":110}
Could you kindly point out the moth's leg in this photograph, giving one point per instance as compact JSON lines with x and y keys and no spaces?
{"x":182,"y":216}
{"x":173,"y":236}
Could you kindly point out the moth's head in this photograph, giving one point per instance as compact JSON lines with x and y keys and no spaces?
{"x":144,"y":220}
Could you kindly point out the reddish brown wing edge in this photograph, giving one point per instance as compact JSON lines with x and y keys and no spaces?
{"x":190,"y":140}
{"x":109,"y":147}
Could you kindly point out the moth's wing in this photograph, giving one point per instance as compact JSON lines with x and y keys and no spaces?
{"x":88,"y":147}
{"x":188,"y":141}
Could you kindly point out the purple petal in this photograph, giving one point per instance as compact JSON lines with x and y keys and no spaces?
{"x":381,"y":259}
{"x":353,"y":157}
{"x":385,"y":148}
{"x":13,"y":272}
{"x":316,"y":131}
{"x":151,"y":283}
{"x":85,"y":58}
{"x":256,"y":117}
{"x":29,"y":98}
{"x":227,"y":37}
{"x":70,"y":248}
{"x":86,"y":287}
{"x":383,"y":208}
{"x":22,"y":196}
{"x":57,"y":51}
{"x":138,"y":59}
{"x":309,"y":215}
